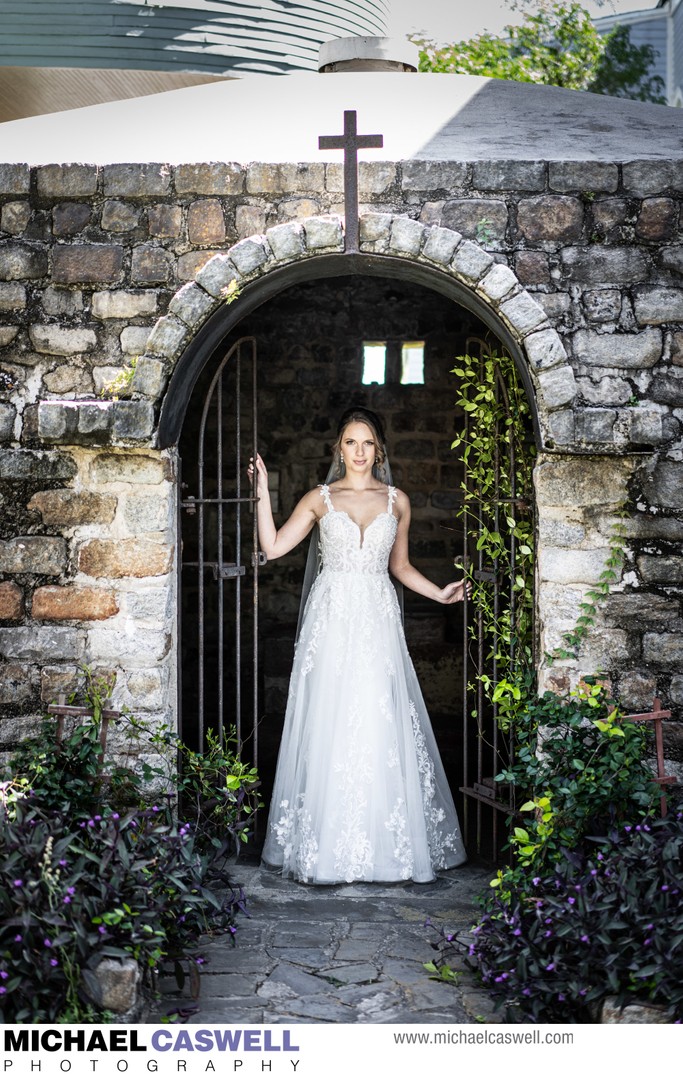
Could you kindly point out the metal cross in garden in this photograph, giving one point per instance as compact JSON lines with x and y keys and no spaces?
{"x":350,"y":142}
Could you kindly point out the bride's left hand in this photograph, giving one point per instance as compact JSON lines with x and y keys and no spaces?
{"x":455,"y":592}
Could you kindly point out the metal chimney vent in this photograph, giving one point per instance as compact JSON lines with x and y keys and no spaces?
{"x":368,"y":54}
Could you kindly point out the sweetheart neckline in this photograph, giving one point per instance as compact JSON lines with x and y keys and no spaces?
{"x":362,"y":533}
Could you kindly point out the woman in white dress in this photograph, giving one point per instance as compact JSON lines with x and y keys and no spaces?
{"x":360,"y":793}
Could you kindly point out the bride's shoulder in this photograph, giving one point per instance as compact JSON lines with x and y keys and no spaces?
{"x":401,"y":500}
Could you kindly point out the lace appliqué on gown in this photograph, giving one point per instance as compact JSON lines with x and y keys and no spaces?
{"x":360,"y":793}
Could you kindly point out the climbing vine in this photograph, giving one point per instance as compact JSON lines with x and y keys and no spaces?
{"x":497,"y":450}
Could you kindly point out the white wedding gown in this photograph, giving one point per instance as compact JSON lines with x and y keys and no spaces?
{"x":360,"y":792}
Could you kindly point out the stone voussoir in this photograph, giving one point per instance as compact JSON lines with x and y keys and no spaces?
{"x":192,"y":304}
{"x":249,"y":255}
{"x":218,"y":276}
{"x":545,"y":349}
{"x":557,"y":387}
{"x":470,"y":261}
{"x":150,"y":376}
{"x":441,"y":244}
{"x":168,"y":337}
{"x":498,"y":283}
{"x":287,"y":241}
{"x":523,"y":313}
{"x":323,"y":233}
{"x":406,"y":236}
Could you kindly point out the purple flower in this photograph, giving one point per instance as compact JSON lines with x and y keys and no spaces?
{"x":91,"y":823}
{"x":98,"y":817}
{"x":3,"y":990}
{"x":102,"y":930}
{"x":650,"y":926}
{"x":517,"y":932}
{"x":54,"y":963}
{"x":535,"y":881}
{"x":116,"y":816}
{"x":585,"y":938}
{"x":62,"y":863}
{"x":18,"y":883}
{"x":550,"y":967}
{"x":628,"y":829}
{"x":199,"y":960}
{"x":18,"y":937}
{"x":665,"y":889}
{"x":594,"y":872}
{"x":47,"y":943}
{"x":67,"y":900}
{"x":561,"y":997}
{"x":571,"y":900}
{"x":648,"y":941}
{"x":526,"y":992}
{"x":548,"y":934}
{"x":4,"y":975}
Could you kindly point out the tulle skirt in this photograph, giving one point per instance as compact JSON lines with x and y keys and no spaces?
{"x":360,"y":792}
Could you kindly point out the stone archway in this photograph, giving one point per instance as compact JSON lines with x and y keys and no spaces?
{"x":260,"y":265}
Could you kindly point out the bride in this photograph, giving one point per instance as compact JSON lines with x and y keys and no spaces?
{"x":360,"y":792}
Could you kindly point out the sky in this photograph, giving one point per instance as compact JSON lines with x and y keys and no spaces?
{"x":456,"y":20}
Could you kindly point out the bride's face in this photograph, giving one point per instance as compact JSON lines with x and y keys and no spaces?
{"x":358,"y":448}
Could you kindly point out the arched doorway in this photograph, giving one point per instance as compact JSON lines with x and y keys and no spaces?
{"x":318,"y":313}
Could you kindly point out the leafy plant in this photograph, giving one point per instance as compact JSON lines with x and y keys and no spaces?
{"x":605,"y":921}
{"x":120,"y":386}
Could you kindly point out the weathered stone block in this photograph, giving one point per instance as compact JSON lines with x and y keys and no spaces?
{"x":323,"y":233}
{"x":95,"y":420}
{"x":8,"y":415}
{"x":471,"y":261}
{"x":263,"y":178}
{"x":134,"y":339}
{"x":631,"y":351}
{"x":637,"y":689}
{"x":572,"y":565}
{"x":531,"y":267}
{"x":523,"y":313}
{"x":62,"y":301}
{"x":70,"y":507}
{"x":653,"y":306}
{"x":601,"y":306}
{"x":73,"y":603}
{"x":552,"y":218}
{"x":124,"y":304}
{"x":192,"y":304}
{"x":15,"y":179}
{"x":642,"y":608}
{"x":167,"y":337}
{"x":648,"y":177}
{"x":406,"y":236}
{"x":470,"y":215}
{"x":250,"y":220}
{"x":164,"y":221}
{"x":71,"y":377}
{"x":581,"y":482}
{"x":12,"y":298}
{"x":375,"y":227}
{"x":657,"y":219}
{"x":118,"y":981}
{"x":545,"y":349}
{"x":119,"y":216}
{"x":440,"y":245}
{"x":660,"y":568}
{"x":150,"y":377}
{"x":596,"y":425}
{"x":8,"y":333}
{"x":498,"y":283}
{"x":561,"y":427}
{"x":31,"y":553}
{"x":663,"y":649}
{"x":14,"y":217}
{"x":603,"y":265}
{"x":36,"y":465}
{"x":215,"y":178}
{"x":586,"y":176}
{"x":11,"y":601}
{"x":66,"y":180}
{"x":21,"y":262}
{"x":91,"y":263}
{"x":247,"y":256}
{"x":133,"y":420}
{"x":557,"y":387}
{"x":121,"y":467}
{"x":508,"y":175}
{"x":147,"y":512}
{"x":142,"y":648}
{"x":56,"y":420}
{"x":667,"y":485}
{"x":302,"y":177}
{"x":151,"y":265}
{"x":431,"y":212}
{"x":54,"y":340}
{"x":217,"y":275}
{"x":135,"y":558}
{"x":374,"y":177}
{"x":70,"y":218}
{"x":205,"y":222}
{"x":17,"y":685}
{"x":136,"y":180}
{"x":41,"y":644}
{"x":667,"y":387}
{"x":607,"y":391}
{"x":433,"y":175}
{"x":286,"y":241}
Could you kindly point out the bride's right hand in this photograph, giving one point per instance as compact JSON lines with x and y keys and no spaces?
{"x":261,"y":471}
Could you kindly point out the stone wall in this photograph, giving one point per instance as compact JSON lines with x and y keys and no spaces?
{"x":90,"y":258}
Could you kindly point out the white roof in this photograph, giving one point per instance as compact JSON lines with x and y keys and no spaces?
{"x":422,"y":116}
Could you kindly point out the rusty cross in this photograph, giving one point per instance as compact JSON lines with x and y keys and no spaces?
{"x":350,"y":142}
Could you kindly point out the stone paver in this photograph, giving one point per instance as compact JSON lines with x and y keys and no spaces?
{"x":337,"y":954}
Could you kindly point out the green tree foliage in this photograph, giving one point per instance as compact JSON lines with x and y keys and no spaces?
{"x":558,"y":46}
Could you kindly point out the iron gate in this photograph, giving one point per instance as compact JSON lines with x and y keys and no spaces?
{"x":220,"y":560}
{"x":486,"y":749}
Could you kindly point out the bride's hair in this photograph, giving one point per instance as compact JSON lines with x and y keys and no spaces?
{"x":368,"y":418}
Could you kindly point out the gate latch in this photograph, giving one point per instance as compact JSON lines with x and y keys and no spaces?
{"x":228,"y":571}
{"x":258,"y":559}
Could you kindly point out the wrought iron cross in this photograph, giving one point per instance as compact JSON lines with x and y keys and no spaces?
{"x":350,"y":142}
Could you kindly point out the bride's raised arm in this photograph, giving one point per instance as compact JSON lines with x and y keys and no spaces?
{"x":402,"y":570}
{"x":275,"y":543}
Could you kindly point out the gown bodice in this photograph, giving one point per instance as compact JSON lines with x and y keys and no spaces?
{"x":345,"y":548}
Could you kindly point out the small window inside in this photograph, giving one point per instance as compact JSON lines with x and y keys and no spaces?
{"x":374,"y":362}
{"x":413,"y":362}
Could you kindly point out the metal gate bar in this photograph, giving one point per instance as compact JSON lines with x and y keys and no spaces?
{"x":214,"y":529}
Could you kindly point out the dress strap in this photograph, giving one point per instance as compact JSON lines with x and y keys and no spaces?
{"x":325,"y":494}
{"x":391,"y":497}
